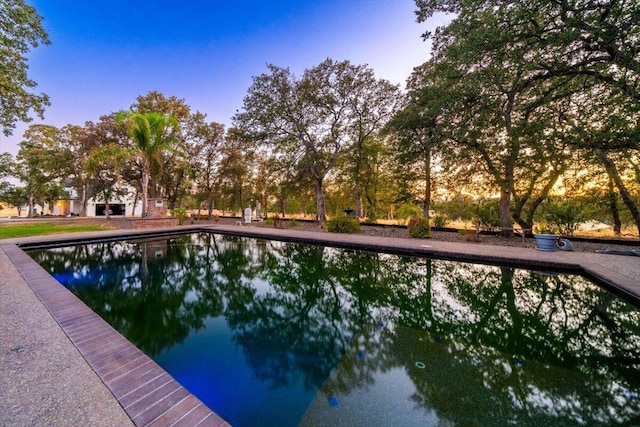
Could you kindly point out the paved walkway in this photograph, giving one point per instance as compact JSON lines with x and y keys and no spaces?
{"x":48,"y":375}
{"x":44,"y":381}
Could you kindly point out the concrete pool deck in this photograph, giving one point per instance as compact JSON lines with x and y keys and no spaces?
{"x":60,"y":364}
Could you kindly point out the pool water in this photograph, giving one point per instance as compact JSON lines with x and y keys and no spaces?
{"x":272,"y":333}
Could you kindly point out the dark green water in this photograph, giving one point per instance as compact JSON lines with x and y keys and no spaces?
{"x":275,"y":334}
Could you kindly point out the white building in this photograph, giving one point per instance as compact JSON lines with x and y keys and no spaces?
{"x":122,"y":206}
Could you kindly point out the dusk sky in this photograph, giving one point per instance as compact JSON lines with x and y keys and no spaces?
{"x":105,"y":53}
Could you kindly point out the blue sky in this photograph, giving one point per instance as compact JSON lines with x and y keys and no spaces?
{"x":105,"y":53}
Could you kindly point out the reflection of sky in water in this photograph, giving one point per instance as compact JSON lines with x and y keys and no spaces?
{"x":268,"y":333}
{"x":212,"y":367}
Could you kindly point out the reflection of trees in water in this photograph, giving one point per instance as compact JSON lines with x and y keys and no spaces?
{"x":502,"y":341}
{"x":155,"y":306}
{"x":511,"y":344}
{"x":300,"y":326}
{"x":534,"y":348}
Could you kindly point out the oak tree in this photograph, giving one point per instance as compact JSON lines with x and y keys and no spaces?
{"x":20,"y":30}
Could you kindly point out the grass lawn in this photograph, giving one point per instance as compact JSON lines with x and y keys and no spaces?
{"x":42,"y":228}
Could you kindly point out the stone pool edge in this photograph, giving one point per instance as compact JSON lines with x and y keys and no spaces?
{"x":113,"y":358}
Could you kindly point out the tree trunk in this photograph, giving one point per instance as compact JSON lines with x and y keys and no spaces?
{"x":320,"y":207}
{"x":612,"y":171}
{"x":358,"y":207}
{"x":106,"y":207}
{"x":30,"y":212}
{"x":145,"y":192}
{"x":615,"y":211}
{"x":210,"y":208}
{"x":135,"y":202}
{"x":83,"y":199}
{"x":504,"y":211}
{"x":426,"y":204}
{"x":506,"y":186}
{"x":525,"y":218}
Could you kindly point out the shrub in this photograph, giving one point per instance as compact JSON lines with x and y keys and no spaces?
{"x":418,"y":227}
{"x":293,"y":222}
{"x":565,"y":215}
{"x":439,"y":220}
{"x":462,"y":209}
{"x":485,"y":214}
{"x":275,"y":221}
{"x":407,"y":210}
{"x":181,"y":214}
{"x":343,"y":224}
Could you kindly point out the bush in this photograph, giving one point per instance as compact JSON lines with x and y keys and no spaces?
{"x":485,"y":214}
{"x":275,"y":221}
{"x":565,"y":215}
{"x":293,"y":222}
{"x":462,"y":209}
{"x":343,"y":224}
{"x":439,"y":220}
{"x":418,"y":227}
{"x":181,"y":214}
{"x":407,"y":210}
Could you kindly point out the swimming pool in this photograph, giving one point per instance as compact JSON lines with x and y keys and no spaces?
{"x":272,"y":333}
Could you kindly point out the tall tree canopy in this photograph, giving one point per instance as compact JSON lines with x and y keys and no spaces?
{"x":522,"y":74}
{"x":42,"y":163}
{"x":20,"y":30}
{"x":311,"y":120}
{"x":151,"y":135}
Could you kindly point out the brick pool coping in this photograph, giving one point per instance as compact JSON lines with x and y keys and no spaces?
{"x":150,"y":396}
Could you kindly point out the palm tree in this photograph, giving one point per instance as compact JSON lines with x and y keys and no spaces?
{"x":151,"y":134}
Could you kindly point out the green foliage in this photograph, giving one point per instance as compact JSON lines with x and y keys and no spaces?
{"x":514,"y":74}
{"x":42,"y":162}
{"x":152,"y":134}
{"x":343,"y":224}
{"x":181,"y":214}
{"x":418,"y":227}
{"x":564,"y":215}
{"x":322,"y":108}
{"x":543,"y":227}
{"x":293,"y":206}
{"x":456,"y":209}
{"x":14,"y":196}
{"x":407,"y":210}
{"x":6,"y":165}
{"x":485,"y":214}
{"x":293,"y":222}
{"x":269,"y":221}
{"x":21,"y":30}
{"x":439,"y":220}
